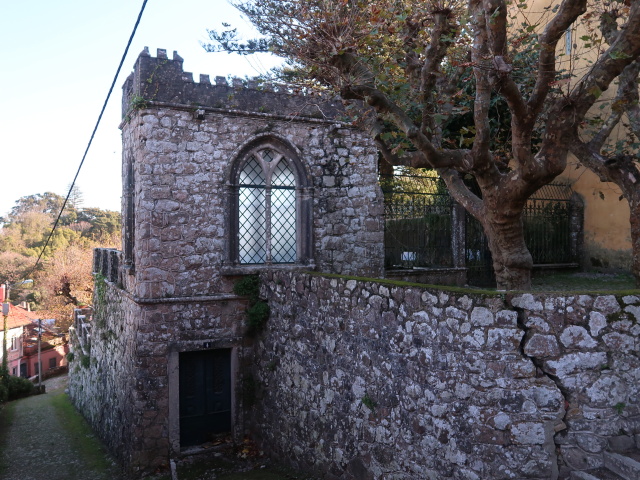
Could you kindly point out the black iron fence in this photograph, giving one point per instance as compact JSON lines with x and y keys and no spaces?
{"x":423,"y":225}
{"x":418,"y":222}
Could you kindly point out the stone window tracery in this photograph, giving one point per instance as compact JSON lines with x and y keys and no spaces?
{"x":271,"y":212}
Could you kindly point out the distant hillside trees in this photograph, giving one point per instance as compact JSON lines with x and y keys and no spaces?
{"x":63,"y":278}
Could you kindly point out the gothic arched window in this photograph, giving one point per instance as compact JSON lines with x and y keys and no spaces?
{"x":269,"y":216}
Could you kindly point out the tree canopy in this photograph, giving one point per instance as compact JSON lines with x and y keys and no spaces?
{"x":608,"y":142}
{"x":425,"y":77}
{"x":63,"y":278}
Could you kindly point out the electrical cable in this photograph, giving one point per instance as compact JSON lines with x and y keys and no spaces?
{"x":104,"y":106}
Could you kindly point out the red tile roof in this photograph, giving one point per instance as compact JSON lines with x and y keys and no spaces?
{"x":18,"y":317}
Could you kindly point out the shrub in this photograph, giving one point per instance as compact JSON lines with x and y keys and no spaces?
{"x":258,"y":314}
{"x":248,"y":286}
{"x":4,"y":393}
{"x":258,"y":311}
{"x":19,"y":387}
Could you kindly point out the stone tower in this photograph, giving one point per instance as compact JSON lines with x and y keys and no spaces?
{"x":220,"y":181}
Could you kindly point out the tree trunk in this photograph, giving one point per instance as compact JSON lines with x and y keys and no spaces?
{"x":499,"y":211}
{"x":512,"y":261}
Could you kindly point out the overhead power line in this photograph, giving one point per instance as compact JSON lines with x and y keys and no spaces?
{"x":95,"y":129}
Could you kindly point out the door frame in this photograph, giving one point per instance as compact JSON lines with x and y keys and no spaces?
{"x":174,"y":386}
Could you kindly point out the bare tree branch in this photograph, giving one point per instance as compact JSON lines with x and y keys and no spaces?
{"x":480,"y":55}
{"x":622,"y":52}
{"x":435,"y":52}
{"x":568,"y":13}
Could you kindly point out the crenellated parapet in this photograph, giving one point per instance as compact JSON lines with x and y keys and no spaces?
{"x":162,"y":79}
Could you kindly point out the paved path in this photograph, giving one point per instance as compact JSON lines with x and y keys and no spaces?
{"x":39,"y":445}
{"x":47,"y":439}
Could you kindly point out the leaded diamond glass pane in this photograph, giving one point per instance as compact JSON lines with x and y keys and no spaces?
{"x":252,"y":173}
{"x":283,"y":226}
{"x":282,"y":175}
{"x":268,"y":155}
{"x":252,"y":245}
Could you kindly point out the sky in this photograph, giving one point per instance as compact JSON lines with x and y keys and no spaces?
{"x":58,"y":61}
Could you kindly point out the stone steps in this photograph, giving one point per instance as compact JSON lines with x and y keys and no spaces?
{"x":617,"y":466}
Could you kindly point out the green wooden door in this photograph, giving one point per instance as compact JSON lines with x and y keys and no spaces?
{"x":205,"y":395}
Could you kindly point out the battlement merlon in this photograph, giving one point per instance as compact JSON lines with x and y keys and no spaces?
{"x":161,"y":79}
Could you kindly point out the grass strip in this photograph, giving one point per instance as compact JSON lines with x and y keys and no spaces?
{"x":80,"y":435}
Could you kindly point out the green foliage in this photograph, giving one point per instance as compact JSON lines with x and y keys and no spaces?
{"x":248,"y":286}
{"x":368,"y":402}
{"x":48,"y":203}
{"x":12,"y":388}
{"x":137,"y":102}
{"x":70,"y":357}
{"x":26,"y":229}
{"x":100,"y":286}
{"x":63,"y":277}
{"x":258,"y":311}
{"x":102,"y":224}
{"x":19,"y":387}
{"x":619,"y":407}
{"x":85,"y":361}
{"x":4,"y":374}
{"x":258,"y":314}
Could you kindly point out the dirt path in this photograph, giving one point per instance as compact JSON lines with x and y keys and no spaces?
{"x":46,"y":440}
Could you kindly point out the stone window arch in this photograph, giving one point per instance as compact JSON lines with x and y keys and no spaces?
{"x":271,"y":206}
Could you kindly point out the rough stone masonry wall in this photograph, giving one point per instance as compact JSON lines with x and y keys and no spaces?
{"x":123,"y":387}
{"x":102,"y":384}
{"x":178,"y":146}
{"x":590,"y":346}
{"x":171,"y":290}
{"x":372,"y":380}
{"x":181,"y":207}
{"x":165,"y":330}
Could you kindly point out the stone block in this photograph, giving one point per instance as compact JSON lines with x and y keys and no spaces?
{"x":578,"y":459}
{"x":607,"y":304}
{"x":577,"y":337}
{"x":507,"y":318}
{"x":520,"y":368}
{"x":609,"y":390}
{"x":504,"y":339}
{"x":527,"y":302}
{"x":537,"y":324}
{"x":480,"y":316}
{"x":597,"y":322}
{"x":543,"y":346}
{"x":619,"y":342}
{"x":528,"y":433}
{"x":591,"y":442}
{"x":622,"y":443}
{"x":575,"y":362}
{"x":634,"y":310}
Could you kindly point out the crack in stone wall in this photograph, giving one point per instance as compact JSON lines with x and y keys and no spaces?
{"x":539,"y":364}
{"x":370,"y":381}
{"x":588,"y":346}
